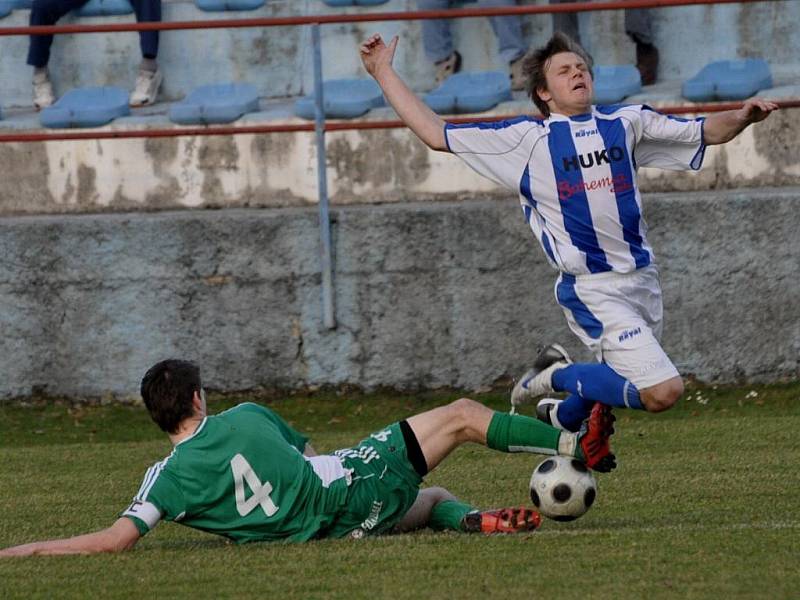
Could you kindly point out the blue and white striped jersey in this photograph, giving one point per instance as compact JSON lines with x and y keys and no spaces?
{"x":576,"y":177}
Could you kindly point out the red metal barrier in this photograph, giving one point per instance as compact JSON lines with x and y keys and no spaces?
{"x":367,"y":17}
{"x":101,"y":134}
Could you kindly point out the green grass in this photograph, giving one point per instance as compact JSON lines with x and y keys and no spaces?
{"x":704,"y":504}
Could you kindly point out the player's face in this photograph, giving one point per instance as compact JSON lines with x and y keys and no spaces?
{"x":569,"y":84}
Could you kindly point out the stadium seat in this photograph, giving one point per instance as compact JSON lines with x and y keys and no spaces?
{"x":18,"y":4}
{"x":343,"y":99}
{"x":5,"y":8}
{"x":223,"y":5}
{"x":728,"y":80}
{"x":470,"y":92}
{"x":104,"y":8}
{"x":87,"y":107}
{"x":612,"y":83}
{"x":354,"y":2}
{"x":216,"y":103}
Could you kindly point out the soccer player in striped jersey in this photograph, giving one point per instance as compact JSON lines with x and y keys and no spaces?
{"x":575,"y":174}
{"x":247,"y":475}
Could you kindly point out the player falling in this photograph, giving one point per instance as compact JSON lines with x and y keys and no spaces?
{"x":575,"y":174}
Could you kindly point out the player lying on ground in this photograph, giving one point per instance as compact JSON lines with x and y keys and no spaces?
{"x":247,"y":475}
{"x":575,"y":174}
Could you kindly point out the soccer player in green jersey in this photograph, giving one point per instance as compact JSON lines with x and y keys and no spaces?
{"x":247,"y":475}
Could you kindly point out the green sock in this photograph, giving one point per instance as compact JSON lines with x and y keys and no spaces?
{"x":518,"y":433}
{"x":449,"y":514}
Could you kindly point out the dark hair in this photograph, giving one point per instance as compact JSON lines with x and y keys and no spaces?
{"x":167,"y":390}
{"x":534,"y":66}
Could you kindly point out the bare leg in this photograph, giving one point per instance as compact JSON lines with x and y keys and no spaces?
{"x":419,"y":515}
{"x":443,"y":429}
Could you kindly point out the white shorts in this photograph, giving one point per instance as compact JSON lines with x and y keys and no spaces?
{"x":619,"y":317}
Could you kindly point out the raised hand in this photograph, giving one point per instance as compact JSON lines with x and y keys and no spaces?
{"x":755,"y":110}
{"x":376,"y":55}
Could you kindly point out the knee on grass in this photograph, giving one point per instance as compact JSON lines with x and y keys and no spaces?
{"x":662,"y":396}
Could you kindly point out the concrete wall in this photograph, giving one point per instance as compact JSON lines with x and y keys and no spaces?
{"x":278,"y":61}
{"x":280,"y":170}
{"x":427,"y":295}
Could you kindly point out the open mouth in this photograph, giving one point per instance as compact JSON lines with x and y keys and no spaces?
{"x":579,"y":86}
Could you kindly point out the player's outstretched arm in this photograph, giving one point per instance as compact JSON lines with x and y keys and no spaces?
{"x":426,"y":124}
{"x":724,"y":126}
{"x":122,"y":535}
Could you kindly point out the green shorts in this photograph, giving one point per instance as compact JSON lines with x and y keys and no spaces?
{"x":384,"y":485}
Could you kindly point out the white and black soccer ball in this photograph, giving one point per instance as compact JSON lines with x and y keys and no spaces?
{"x":562,"y":488}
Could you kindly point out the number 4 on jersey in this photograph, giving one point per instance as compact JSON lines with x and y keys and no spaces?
{"x":243,"y":473}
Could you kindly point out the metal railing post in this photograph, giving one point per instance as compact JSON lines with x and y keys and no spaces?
{"x":328,"y":318}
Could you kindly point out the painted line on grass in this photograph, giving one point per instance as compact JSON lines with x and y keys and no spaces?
{"x":689,"y":528}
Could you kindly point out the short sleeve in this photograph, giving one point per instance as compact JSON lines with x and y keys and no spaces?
{"x":159,"y":497}
{"x":668,"y":142}
{"x":499,"y":150}
{"x":295,"y":438}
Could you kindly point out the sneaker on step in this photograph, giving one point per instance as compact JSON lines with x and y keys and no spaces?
{"x":538,"y":380}
{"x":448,"y":66}
{"x":518,"y":79}
{"x":146,"y":89}
{"x":43,"y":95}
{"x":504,"y":520}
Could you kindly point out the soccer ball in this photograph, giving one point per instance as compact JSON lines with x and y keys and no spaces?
{"x":562,"y":488}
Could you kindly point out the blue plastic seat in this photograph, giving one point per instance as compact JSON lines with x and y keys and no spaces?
{"x":470,"y":92}
{"x":343,"y":99}
{"x":223,"y":5}
{"x":5,"y":8}
{"x":728,"y":80}
{"x":18,"y":4}
{"x":216,"y":103}
{"x":354,"y":2}
{"x":104,"y":8}
{"x":87,"y":107}
{"x":612,"y":83}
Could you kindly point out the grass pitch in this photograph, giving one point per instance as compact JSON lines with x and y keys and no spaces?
{"x":704,"y":504}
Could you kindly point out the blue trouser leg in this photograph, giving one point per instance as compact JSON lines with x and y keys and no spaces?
{"x":148,"y":11}
{"x":508,"y":31}
{"x":638,"y":25}
{"x":566,"y":22}
{"x":47,"y":12}
{"x":437,"y":38}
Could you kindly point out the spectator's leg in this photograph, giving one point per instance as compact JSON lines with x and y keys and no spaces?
{"x":47,"y":12}
{"x":566,"y":22}
{"x":149,"y":79}
{"x":148,"y":11}
{"x":437,"y":38}
{"x":639,"y":27}
{"x":508,"y":31}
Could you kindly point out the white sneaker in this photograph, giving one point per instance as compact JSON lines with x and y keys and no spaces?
{"x":538,"y":380}
{"x":146,"y":89}
{"x":547,"y":412}
{"x":43,"y":95}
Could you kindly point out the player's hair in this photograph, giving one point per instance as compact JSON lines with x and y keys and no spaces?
{"x":167,"y":390}
{"x":534,"y":66}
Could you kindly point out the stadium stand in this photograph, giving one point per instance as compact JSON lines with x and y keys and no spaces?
{"x":728,"y":80}
{"x":354,"y":2}
{"x":218,"y":103}
{"x":87,"y":107}
{"x":470,"y":92}
{"x":343,"y":99}
{"x":5,"y":9}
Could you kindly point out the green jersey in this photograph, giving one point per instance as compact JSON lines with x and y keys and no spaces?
{"x":242,"y":474}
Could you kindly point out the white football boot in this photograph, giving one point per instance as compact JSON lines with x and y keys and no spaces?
{"x":538,"y":380}
{"x":146,"y":89}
